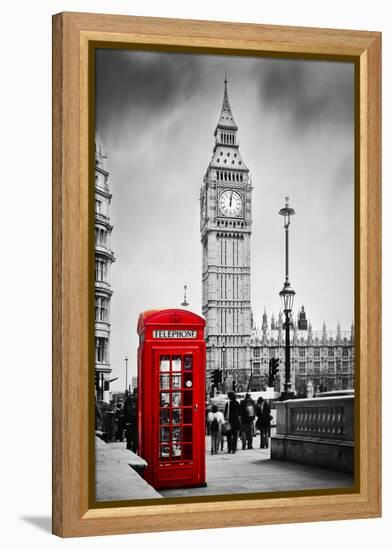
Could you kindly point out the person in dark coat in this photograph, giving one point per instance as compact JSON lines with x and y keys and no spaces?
{"x":130,"y":417}
{"x":232,"y":420}
{"x":247,"y":408}
{"x":109,"y":422}
{"x":120,"y":421}
{"x":263,"y":422}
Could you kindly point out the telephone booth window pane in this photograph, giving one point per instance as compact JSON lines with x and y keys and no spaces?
{"x":164,"y":363}
{"x":176,"y":451}
{"x":176,"y":363}
{"x":164,"y":435}
{"x":164,"y":416}
{"x":188,"y":362}
{"x":188,"y":434}
{"x":188,"y":397}
{"x":176,"y":434}
{"x":176,"y":381}
{"x":164,"y":451}
{"x":165,"y":382}
{"x":188,"y":452}
{"x":164,"y":399}
{"x":187,"y":416}
{"x":176,"y":399}
{"x":176,"y":416}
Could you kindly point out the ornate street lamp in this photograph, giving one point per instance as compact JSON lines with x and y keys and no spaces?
{"x":250,"y":381}
{"x":223,"y":367}
{"x":287,"y":295}
{"x":126,"y":375}
{"x":185,"y":303}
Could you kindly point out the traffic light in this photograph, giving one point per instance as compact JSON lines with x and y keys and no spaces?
{"x":214,"y":378}
{"x":273,"y":370}
{"x":219,"y":376}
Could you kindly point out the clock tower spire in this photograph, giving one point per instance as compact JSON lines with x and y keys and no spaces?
{"x":225,"y":236}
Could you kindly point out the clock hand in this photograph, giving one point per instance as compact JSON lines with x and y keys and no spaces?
{"x":230,"y":199}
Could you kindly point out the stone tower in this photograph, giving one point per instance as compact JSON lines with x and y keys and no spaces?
{"x":225,"y":200}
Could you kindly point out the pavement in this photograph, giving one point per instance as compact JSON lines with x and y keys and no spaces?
{"x":252,"y":471}
{"x":115,"y":477}
{"x":248,"y":471}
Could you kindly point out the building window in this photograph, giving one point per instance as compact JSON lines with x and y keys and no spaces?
{"x":301,"y":352}
{"x":331,"y":367}
{"x":317,"y":367}
{"x":101,"y":308}
{"x":256,"y":352}
{"x":100,"y":236}
{"x":98,"y":206}
{"x":100,"y":270}
{"x":301,"y":367}
{"x":316,"y":352}
{"x":345,"y":367}
{"x":345,"y":352}
{"x":101,"y":350}
{"x":331,"y":352}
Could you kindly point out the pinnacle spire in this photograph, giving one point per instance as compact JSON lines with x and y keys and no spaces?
{"x":226,"y":119}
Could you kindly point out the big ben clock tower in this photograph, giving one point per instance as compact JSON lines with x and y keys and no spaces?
{"x":225,"y":235}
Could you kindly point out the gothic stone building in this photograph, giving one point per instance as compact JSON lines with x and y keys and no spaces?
{"x":325,"y":358}
{"x":104,"y":257}
{"x":225,"y":200}
{"x":240,"y":350}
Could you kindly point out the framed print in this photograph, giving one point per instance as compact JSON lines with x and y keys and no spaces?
{"x":216,"y":295}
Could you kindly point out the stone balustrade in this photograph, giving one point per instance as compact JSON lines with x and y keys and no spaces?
{"x":318,"y":432}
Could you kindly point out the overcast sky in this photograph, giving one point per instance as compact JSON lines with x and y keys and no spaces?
{"x":155,"y":116}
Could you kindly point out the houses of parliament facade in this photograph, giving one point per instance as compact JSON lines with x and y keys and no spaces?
{"x":323,"y":358}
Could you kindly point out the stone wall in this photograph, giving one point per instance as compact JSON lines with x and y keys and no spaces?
{"x":317,"y":432}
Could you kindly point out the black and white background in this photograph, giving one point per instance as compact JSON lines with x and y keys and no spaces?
{"x":155,"y":117}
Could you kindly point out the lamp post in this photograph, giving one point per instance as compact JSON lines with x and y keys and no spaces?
{"x":223,"y":367}
{"x":287,"y":295}
{"x":250,"y":382}
{"x":126,"y":374}
{"x":185,"y":303}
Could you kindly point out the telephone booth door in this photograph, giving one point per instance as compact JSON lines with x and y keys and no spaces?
{"x":173,"y":443}
{"x":179,"y":417}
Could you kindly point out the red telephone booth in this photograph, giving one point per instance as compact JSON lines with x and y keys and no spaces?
{"x":171,"y":397}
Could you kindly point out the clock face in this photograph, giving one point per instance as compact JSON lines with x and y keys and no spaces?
{"x":230,"y":203}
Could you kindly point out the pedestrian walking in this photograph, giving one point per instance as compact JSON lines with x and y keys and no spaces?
{"x":232,"y":421}
{"x":108,"y":422}
{"x":247,"y":408}
{"x":130,"y":415}
{"x":98,"y":418}
{"x":120,"y":422}
{"x":263,"y":422}
{"x":215,"y":424}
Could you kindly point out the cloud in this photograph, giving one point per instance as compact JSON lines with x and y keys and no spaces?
{"x":146,"y":81}
{"x":308,"y":92}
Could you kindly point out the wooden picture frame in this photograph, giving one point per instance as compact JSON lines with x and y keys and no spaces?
{"x":73,"y":34}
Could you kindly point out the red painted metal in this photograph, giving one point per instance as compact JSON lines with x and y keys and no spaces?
{"x":171,"y":397}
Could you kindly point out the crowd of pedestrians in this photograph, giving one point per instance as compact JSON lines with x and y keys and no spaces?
{"x":116,"y":422}
{"x":239,"y":420}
